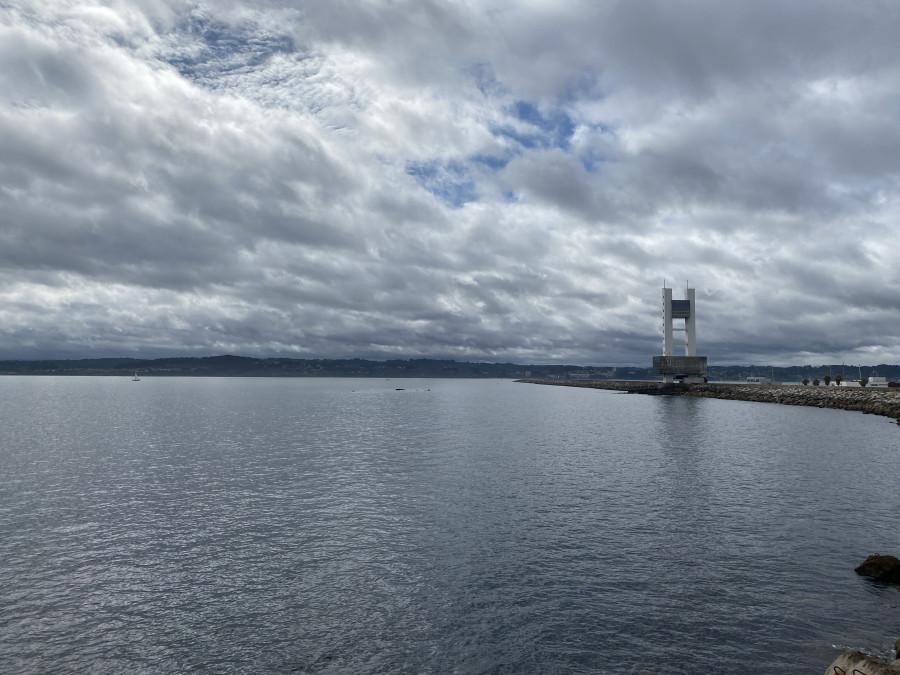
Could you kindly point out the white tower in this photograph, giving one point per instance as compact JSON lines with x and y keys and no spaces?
{"x":690,"y":366}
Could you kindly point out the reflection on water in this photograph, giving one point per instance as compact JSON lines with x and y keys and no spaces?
{"x":331,"y":526}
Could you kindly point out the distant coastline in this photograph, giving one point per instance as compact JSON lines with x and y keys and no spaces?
{"x":229,"y":365}
{"x":885,"y":402}
{"x":245,"y":366}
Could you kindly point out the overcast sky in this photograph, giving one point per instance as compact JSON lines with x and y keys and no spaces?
{"x":490,"y":180}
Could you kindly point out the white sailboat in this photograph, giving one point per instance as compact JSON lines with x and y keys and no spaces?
{"x":135,"y":378}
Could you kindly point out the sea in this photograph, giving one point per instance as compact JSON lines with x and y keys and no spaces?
{"x":263,"y":525}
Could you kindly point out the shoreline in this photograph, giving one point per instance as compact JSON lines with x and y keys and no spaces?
{"x":883,"y":402}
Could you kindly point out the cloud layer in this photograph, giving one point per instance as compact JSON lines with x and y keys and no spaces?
{"x":482,"y":180}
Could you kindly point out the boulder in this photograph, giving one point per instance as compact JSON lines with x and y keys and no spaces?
{"x":854,"y":661}
{"x":884,"y":568}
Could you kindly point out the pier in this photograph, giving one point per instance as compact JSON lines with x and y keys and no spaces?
{"x":885,"y":402}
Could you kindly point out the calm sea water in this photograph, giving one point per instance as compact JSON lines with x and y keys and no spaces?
{"x":458,"y":526}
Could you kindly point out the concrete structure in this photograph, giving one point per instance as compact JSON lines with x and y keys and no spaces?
{"x":687,"y":368}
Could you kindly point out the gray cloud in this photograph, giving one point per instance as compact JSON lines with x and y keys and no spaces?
{"x":480,"y":181}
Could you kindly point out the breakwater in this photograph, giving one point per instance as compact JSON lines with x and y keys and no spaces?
{"x":884,"y":402}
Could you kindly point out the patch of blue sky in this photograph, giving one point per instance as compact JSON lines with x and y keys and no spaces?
{"x":550,"y":131}
{"x":490,"y":161}
{"x":529,"y":141}
{"x":450,"y":181}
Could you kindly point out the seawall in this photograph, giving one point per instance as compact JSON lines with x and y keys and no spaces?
{"x":884,"y":402}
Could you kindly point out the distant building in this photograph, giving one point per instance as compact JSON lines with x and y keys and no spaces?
{"x":687,"y":368}
{"x":757,"y":379}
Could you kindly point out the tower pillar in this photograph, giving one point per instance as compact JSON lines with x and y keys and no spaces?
{"x":668,"y":342}
{"x":690,"y":323}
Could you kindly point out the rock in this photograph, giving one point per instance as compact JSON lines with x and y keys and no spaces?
{"x":854,"y":661}
{"x":884,"y":568}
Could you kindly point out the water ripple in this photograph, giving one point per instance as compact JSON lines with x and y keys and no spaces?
{"x":337,"y":526}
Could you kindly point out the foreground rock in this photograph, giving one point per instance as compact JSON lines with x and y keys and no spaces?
{"x":857,"y":663}
{"x":885,"y":568}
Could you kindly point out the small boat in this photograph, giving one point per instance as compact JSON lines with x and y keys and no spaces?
{"x":135,"y":378}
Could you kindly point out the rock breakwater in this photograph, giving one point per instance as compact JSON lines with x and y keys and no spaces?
{"x":885,"y":402}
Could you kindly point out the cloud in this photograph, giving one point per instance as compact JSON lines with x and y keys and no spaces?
{"x":487,"y":180}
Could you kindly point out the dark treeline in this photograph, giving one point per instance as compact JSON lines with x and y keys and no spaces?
{"x":244,"y":366}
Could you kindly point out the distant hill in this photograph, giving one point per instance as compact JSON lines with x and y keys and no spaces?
{"x":245,"y":366}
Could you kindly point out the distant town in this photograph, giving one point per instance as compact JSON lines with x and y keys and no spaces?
{"x":244,"y":366}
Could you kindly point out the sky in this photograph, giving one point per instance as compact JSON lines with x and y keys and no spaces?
{"x":480,"y":180}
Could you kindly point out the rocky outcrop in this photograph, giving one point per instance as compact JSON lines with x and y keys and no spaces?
{"x":885,"y":568}
{"x":858,"y":663}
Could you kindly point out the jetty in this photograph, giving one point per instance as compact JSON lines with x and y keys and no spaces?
{"x":885,"y":402}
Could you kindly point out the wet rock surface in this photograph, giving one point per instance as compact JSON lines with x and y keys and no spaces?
{"x":885,"y":568}
{"x":859,"y":663}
